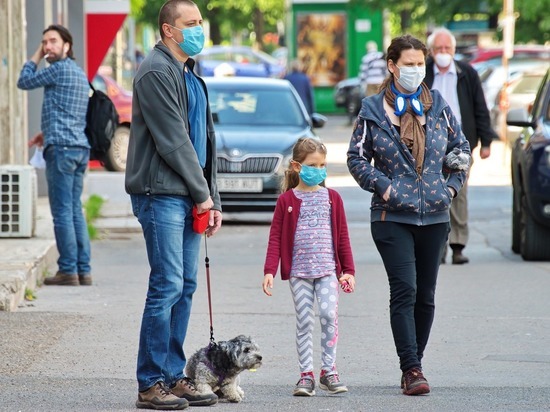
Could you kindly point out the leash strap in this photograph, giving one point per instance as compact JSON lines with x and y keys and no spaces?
{"x":207,"y":264}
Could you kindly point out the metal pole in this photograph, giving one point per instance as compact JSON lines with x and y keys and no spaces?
{"x":508,"y":52}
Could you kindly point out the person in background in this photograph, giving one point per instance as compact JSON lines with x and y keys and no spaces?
{"x":407,"y":148}
{"x":302,"y":84}
{"x":171,"y":169}
{"x":309,"y":237}
{"x":460,"y":86}
{"x":66,"y":149}
{"x":139,"y":55}
{"x":373,"y":69}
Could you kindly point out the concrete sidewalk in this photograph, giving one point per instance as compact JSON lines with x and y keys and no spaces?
{"x":25,"y":262}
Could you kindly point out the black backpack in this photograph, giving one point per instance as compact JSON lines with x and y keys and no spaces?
{"x":101,"y":123}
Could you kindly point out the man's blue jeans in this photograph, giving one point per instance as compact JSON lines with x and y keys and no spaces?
{"x":173,"y":252}
{"x":65,"y":168}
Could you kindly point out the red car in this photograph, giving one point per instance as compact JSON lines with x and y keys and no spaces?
{"x":533,"y":52}
{"x":122,"y":99}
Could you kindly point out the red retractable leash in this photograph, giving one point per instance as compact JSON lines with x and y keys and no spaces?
{"x":207,"y":264}
{"x":200,"y":224}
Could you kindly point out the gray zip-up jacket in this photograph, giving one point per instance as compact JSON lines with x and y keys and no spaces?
{"x":414,"y":199}
{"x":161,"y":157}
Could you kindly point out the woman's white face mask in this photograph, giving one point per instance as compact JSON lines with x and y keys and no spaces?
{"x":410,"y":78}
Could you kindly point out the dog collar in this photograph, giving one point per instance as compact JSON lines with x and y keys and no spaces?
{"x":401,"y":101}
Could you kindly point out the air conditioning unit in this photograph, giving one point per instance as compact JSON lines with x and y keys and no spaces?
{"x":18,"y":194}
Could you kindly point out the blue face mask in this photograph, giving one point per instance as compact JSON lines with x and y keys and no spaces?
{"x":313,"y":176}
{"x":193,"y":40}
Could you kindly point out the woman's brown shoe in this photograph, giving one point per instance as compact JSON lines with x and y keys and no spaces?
{"x":413,"y":382}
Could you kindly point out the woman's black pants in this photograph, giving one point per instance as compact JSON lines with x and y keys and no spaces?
{"x":411,"y":256}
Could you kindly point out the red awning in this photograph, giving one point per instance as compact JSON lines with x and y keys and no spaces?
{"x":103,"y":20}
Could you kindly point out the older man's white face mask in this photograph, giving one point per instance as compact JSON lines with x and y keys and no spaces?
{"x":443,"y":59}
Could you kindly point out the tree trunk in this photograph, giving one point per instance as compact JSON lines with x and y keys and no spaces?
{"x":259,"y":27}
{"x":215,"y":34}
{"x":213,"y":18}
{"x":405,"y":20}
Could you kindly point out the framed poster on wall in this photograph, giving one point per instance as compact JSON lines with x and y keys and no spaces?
{"x":321,"y":46}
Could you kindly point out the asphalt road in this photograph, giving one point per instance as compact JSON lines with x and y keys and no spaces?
{"x":74,"y":348}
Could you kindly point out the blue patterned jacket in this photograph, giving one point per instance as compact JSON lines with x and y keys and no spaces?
{"x":414,"y":199}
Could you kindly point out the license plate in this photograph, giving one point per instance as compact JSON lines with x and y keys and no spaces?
{"x":251,"y":185}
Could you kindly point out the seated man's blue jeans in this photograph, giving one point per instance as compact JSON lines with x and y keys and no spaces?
{"x":65,"y":169}
{"x":173,"y":252}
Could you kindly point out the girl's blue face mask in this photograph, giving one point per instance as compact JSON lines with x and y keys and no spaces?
{"x":193,"y":40}
{"x":313,"y":176}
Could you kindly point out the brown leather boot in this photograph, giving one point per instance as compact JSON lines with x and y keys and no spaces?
{"x":62,"y":279}
{"x":160,"y":397}
{"x":185,"y":388}
{"x":458,"y":257}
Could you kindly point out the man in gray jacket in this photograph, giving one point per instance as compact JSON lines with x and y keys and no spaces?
{"x":171,"y":168}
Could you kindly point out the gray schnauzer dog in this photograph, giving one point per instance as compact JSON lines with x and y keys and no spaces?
{"x":216,"y":367}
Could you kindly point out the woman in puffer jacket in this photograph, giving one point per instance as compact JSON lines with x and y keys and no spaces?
{"x":420,"y":160}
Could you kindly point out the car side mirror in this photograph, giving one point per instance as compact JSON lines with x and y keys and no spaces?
{"x":519,"y":117}
{"x":318,"y":120}
{"x":215,"y":117}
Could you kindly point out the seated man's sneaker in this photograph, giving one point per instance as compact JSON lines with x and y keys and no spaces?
{"x":185,"y":388}
{"x":160,"y":397}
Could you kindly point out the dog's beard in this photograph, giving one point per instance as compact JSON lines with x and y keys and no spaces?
{"x":248,"y":360}
{"x":244,"y":352}
{"x":251,"y":362}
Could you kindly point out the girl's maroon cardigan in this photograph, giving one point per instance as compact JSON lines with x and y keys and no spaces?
{"x":283,"y":228}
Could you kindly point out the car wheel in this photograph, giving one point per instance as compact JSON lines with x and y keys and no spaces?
{"x":116,"y":157}
{"x":516,"y":211}
{"x":516,"y":219}
{"x":534,"y":238}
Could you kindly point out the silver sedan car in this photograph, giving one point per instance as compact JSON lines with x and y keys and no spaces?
{"x":257,"y":122}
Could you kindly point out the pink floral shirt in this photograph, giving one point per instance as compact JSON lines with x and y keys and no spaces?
{"x":313,"y":252}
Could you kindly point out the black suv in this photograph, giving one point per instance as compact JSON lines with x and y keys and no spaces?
{"x":531,"y":177}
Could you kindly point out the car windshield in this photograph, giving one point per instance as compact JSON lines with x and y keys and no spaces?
{"x":528,"y":85}
{"x":255,"y":107}
{"x":266,"y":57}
{"x":236,"y":55}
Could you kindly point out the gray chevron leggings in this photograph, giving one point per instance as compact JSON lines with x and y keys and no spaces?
{"x":326,"y":291}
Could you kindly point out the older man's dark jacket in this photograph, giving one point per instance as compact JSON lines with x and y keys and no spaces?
{"x":476,"y":122}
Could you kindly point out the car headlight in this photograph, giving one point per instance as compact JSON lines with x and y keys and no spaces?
{"x":284,"y":165}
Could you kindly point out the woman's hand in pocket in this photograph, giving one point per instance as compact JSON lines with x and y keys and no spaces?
{"x":386,"y":195}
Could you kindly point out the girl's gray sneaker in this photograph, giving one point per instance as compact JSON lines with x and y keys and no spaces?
{"x":331,"y":383}
{"x":305,"y":386}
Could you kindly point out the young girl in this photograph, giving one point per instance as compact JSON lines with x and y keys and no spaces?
{"x":309,"y":235}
